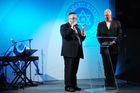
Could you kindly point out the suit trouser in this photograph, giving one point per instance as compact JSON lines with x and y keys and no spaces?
{"x":108,"y":64}
{"x":71,"y":68}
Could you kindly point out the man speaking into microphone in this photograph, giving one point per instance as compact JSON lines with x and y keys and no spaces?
{"x":72,"y":51}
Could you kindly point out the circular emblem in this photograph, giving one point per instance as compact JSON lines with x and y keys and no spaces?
{"x":86,"y":14}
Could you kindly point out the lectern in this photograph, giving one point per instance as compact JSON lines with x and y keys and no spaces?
{"x":106,"y":46}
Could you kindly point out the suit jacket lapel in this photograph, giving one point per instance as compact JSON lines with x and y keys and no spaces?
{"x":111,"y":25}
{"x":105,"y":26}
{"x":68,"y":24}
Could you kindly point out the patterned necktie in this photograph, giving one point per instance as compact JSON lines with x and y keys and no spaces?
{"x":79,"y":41}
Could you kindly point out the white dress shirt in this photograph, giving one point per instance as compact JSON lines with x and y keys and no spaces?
{"x":108,"y":24}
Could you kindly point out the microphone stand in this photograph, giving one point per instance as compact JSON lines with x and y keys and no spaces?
{"x":30,"y":63}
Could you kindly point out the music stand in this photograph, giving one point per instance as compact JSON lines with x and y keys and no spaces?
{"x":105,"y":46}
{"x":27,"y":53}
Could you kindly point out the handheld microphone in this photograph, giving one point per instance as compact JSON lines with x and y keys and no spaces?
{"x":13,"y":41}
{"x":76,"y":25}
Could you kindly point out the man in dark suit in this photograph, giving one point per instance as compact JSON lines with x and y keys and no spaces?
{"x":72,"y":51}
{"x":109,"y":28}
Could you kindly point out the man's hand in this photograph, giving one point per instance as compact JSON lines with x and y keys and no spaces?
{"x":105,"y":43}
{"x":109,"y":43}
{"x":112,"y":42}
{"x":73,"y":24}
{"x":83,"y":31}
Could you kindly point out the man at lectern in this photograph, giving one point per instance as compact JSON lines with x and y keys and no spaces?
{"x":72,"y":51}
{"x":109,"y":29}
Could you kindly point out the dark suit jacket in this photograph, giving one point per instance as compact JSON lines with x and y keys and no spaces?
{"x":70,"y":45}
{"x":114,"y":31}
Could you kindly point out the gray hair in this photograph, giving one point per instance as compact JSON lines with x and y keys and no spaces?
{"x":108,"y":11}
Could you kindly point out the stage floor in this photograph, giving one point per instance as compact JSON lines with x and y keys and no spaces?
{"x":88,"y":86}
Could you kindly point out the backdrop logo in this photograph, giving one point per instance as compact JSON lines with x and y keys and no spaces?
{"x":86,"y":14}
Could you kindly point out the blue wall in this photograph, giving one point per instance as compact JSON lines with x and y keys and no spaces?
{"x":40,"y":20}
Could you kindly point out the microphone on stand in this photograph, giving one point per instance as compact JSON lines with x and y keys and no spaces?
{"x":13,"y":41}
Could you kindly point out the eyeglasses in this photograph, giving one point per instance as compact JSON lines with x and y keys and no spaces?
{"x":73,"y":18}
